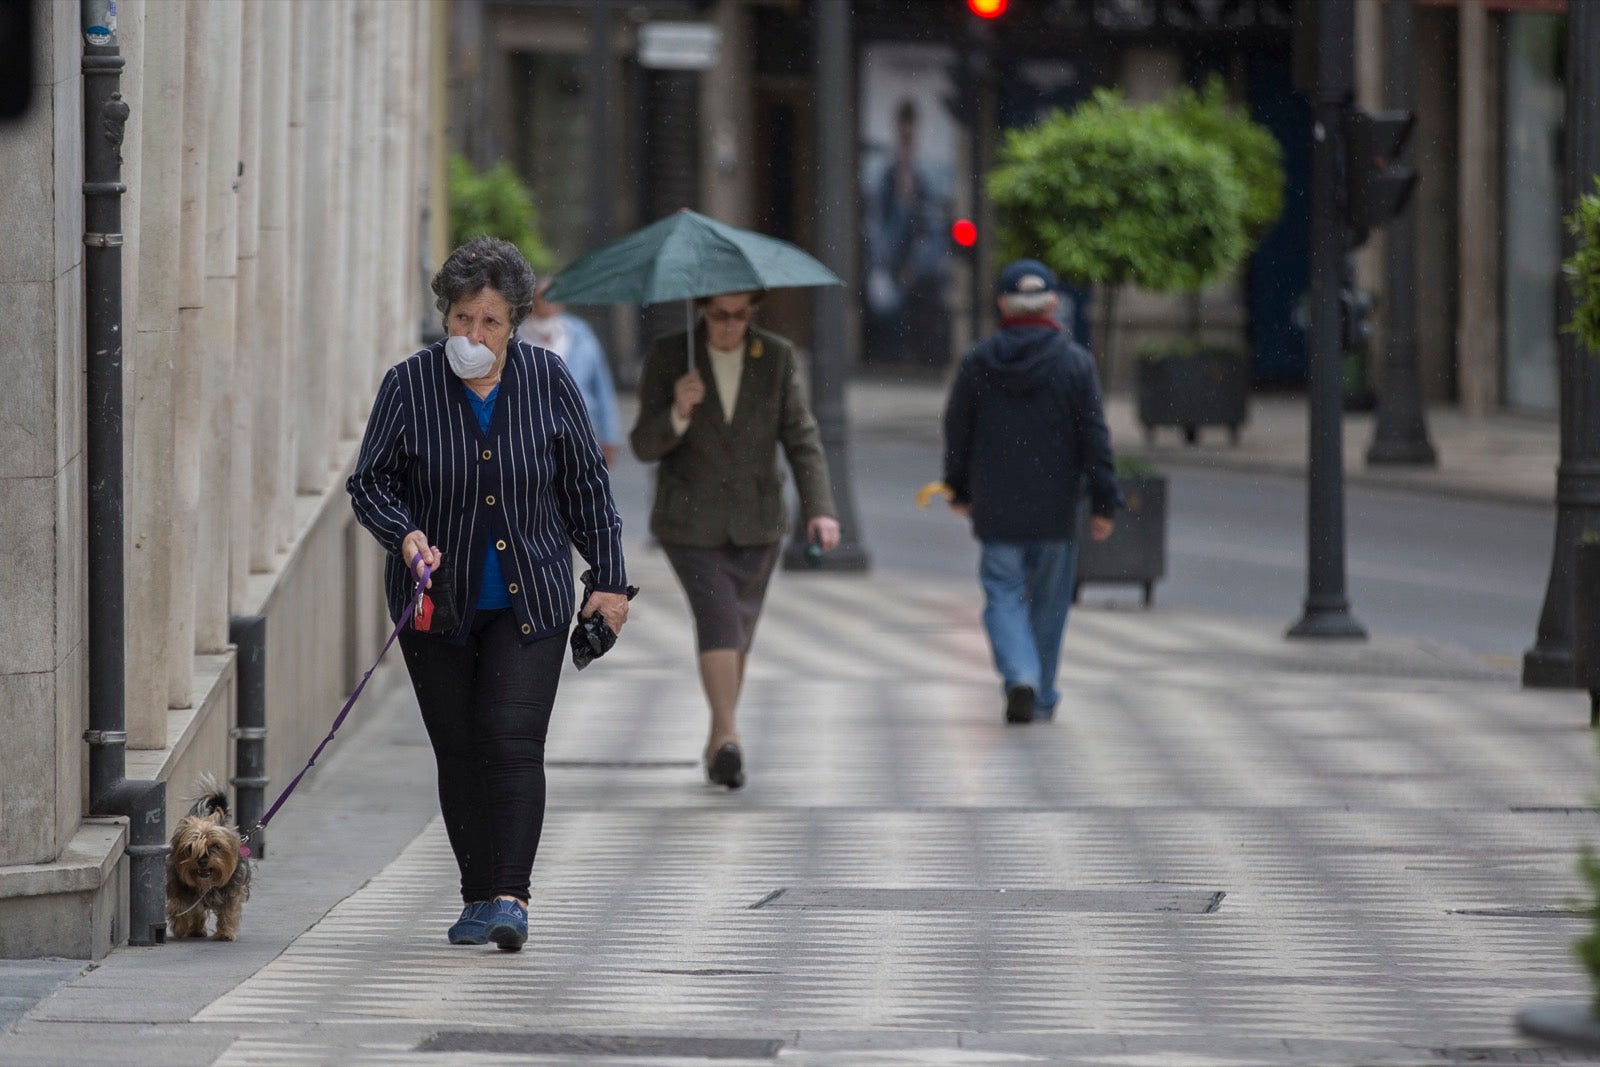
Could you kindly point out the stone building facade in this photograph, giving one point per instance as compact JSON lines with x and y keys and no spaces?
{"x":279,"y":161}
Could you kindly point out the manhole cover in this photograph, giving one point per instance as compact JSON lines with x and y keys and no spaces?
{"x":526,"y":1044}
{"x":1183,"y":901}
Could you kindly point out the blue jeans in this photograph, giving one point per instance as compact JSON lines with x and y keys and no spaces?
{"x":1027,"y":593}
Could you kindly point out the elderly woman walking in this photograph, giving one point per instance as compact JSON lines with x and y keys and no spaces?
{"x":719,"y":511}
{"x":479,"y":462}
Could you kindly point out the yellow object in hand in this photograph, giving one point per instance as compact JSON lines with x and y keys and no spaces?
{"x":926,"y":494}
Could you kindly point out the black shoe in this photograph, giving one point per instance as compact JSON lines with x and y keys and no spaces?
{"x":727,"y":767}
{"x":1019,"y":704}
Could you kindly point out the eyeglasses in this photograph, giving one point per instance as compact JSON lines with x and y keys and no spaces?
{"x":719,"y":316}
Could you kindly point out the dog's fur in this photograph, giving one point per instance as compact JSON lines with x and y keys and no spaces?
{"x":205,"y":872}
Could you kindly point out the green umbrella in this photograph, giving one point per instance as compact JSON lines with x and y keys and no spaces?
{"x":684,"y":256}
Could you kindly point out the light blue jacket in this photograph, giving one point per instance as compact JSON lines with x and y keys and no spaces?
{"x":586,"y":362}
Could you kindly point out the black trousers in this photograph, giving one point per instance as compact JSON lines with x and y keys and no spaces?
{"x":486,"y":705}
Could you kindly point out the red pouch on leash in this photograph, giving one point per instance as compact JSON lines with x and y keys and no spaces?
{"x":436,"y":612}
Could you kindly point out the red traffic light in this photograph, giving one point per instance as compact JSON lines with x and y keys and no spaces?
{"x":962,"y":231}
{"x":988,"y":9}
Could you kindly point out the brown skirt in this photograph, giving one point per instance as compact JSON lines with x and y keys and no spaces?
{"x":725,"y":587}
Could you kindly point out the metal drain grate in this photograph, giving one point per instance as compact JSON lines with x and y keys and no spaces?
{"x":621,"y":764}
{"x":1497,"y":1054}
{"x":534,"y":1044}
{"x":1132,"y":901}
{"x":1522,"y":913}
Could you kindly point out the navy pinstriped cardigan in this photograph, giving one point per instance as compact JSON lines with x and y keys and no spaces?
{"x":536,"y":483}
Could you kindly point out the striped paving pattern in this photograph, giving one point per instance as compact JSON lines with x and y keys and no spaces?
{"x":1394,"y":828}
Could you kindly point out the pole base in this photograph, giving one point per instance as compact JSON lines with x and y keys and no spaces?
{"x":1548,"y":668}
{"x":1328,"y":623}
{"x":844,"y":559}
{"x":1401,"y":452}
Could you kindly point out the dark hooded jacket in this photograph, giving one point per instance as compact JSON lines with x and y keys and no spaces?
{"x":1023,"y":429}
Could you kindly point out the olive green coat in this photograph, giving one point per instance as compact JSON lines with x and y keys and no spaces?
{"x":720,"y":484}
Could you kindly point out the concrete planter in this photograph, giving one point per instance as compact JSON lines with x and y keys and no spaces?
{"x":1569,"y":1023}
{"x":1137,"y":550}
{"x":1586,"y":624}
{"x":1209,"y":388}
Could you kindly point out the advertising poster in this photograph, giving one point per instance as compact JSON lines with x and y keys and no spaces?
{"x":908,"y":174}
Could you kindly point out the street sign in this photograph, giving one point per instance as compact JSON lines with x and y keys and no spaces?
{"x":679,"y":45}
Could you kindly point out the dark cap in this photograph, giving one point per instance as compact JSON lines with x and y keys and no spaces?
{"x":1027,"y":276}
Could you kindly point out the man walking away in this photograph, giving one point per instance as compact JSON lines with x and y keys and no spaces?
{"x":1023,"y":430}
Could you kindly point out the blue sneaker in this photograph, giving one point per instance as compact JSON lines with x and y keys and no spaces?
{"x":507,"y":924}
{"x":471,"y":928}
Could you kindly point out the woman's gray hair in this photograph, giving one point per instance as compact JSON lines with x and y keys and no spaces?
{"x":485,"y":263}
{"x":1023,"y":305}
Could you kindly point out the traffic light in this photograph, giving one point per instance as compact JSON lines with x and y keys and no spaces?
{"x":1355,"y":319}
{"x":964,"y":233}
{"x":988,"y":9}
{"x":1377,"y":185}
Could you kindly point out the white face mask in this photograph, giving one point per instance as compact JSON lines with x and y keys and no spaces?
{"x":467,"y":359}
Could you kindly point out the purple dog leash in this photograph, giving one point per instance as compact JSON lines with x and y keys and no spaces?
{"x":405,"y":618}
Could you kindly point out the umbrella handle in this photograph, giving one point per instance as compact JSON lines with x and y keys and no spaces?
{"x":688,"y":334}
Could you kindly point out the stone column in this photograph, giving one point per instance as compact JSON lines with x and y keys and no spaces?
{"x":247,"y":356}
{"x":398,"y":222}
{"x":726,"y":184}
{"x":190,"y":350}
{"x":1477,"y":338}
{"x":295,"y":268}
{"x":211,"y":558}
{"x":153,"y":339}
{"x":43,"y":681}
{"x":318,"y":262}
{"x":359,"y":322}
{"x":270,"y":507}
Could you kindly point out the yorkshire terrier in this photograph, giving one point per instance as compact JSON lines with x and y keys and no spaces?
{"x":205,"y":870}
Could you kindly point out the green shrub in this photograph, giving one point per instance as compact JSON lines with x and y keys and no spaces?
{"x":1113,"y":193}
{"x":1185,"y":348}
{"x":497,"y":203}
{"x":1136,"y":467}
{"x":1256,"y":155}
{"x":1583,"y":270}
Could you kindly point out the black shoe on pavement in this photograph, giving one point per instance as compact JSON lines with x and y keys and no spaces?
{"x":1019,"y":705}
{"x":727,"y":767}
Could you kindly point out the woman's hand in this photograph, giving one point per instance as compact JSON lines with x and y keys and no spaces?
{"x":415,"y":550}
{"x":612,"y":606}
{"x":687,"y":393}
{"x":824,"y":530}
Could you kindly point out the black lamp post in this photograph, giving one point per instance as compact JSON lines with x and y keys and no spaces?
{"x":1401,"y":433}
{"x":837,"y":219}
{"x":1327,"y":610}
{"x":1548,"y":664}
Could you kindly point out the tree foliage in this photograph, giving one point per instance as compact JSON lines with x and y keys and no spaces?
{"x":1583,"y":270}
{"x":495,"y":202}
{"x":1257,"y":157}
{"x":1166,"y":196}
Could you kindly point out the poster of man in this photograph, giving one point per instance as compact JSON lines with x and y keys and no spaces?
{"x":908,"y":167}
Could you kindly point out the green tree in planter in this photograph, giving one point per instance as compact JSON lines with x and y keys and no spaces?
{"x":1113,"y":194}
{"x":1583,"y":270}
{"x":1583,"y":274}
{"x":1256,"y":155}
{"x":497,"y":203}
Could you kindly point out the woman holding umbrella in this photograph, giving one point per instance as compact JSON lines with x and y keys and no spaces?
{"x":719,"y":510}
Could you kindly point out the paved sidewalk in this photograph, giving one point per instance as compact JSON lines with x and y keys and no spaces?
{"x":1231,"y":849}
{"x":1504,"y":458}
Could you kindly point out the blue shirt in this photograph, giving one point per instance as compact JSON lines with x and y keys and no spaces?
{"x":493,"y":593}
